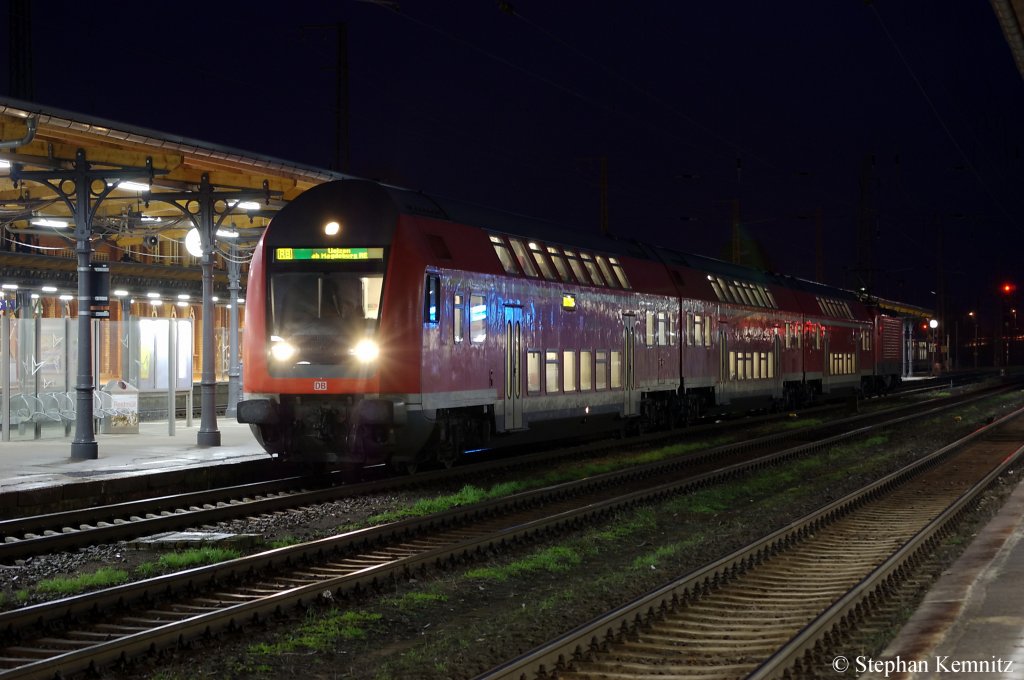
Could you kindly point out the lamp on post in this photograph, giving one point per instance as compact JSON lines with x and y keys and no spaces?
{"x":974,"y":318}
{"x":932,"y":325}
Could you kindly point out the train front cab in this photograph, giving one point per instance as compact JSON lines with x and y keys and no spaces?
{"x":331,"y":328}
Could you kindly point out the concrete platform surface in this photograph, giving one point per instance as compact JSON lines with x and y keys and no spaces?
{"x":35,"y":472}
{"x":971,"y":623}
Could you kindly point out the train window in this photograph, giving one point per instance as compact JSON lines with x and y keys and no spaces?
{"x":752,"y":293}
{"x":616,"y":367}
{"x":563,"y":269}
{"x":743,"y":294}
{"x":577,"y":268}
{"x":698,"y":330}
{"x":601,"y":370}
{"x":620,"y":274}
{"x":717,"y":287}
{"x":662,"y":331}
{"x":501,"y":250}
{"x":732,"y":365}
{"x":477,"y":318}
{"x":569,"y":370}
{"x":771,"y":298}
{"x":430,"y":298}
{"x":650,"y":338}
{"x":551,"y":372}
{"x":524,"y":258}
{"x":542,"y":261}
{"x":592,"y":269}
{"x":761,"y":300}
{"x":731,"y":293}
{"x":457,"y":318}
{"x":586,"y":370}
{"x":602,"y":264}
{"x":533,"y":371}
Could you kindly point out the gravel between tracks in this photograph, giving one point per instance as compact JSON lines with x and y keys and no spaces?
{"x":456,"y":624}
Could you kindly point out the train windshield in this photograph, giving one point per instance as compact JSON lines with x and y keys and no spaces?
{"x":323,"y":315}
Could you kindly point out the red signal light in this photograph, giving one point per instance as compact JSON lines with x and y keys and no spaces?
{"x":1008,"y":288}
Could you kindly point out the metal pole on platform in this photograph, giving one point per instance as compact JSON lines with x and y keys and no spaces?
{"x":5,"y":374}
{"x":172,"y":374}
{"x":234,"y":367}
{"x":208,"y":435}
{"x":83,"y":446}
{"x":126,"y":339}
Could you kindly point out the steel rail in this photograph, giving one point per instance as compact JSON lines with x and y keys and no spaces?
{"x":371,"y":539}
{"x":626,"y":621}
{"x":67,"y":530}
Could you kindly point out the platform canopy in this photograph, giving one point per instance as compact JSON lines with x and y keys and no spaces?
{"x":52,"y":139}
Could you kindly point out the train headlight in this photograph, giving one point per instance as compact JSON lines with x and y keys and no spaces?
{"x":366,"y":350}
{"x":282,"y":350}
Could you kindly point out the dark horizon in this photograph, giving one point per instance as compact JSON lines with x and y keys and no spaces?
{"x":891,"y":122}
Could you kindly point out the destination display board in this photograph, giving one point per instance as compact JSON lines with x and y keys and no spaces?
{"x":297,"y":254}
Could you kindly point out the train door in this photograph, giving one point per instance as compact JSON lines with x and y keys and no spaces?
{"x":513,"y":368}
{"x":826,"y":364}
{"x":725,"y":367}
{"x":777,"y":367}
{"x":631,"y":404}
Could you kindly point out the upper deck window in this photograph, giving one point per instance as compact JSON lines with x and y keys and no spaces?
{"x":742,"y":292}
{"x":560,"y":265}
{"x":542,"y":261}
{"x":619,"y":273}
{"x":577,"y":267}
{"x":606,"y":271}
{"x":501,"y":250}
{"x":595,"y":275}
{"x":524,"y":257}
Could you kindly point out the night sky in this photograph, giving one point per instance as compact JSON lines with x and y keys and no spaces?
{"x":905,"y":114}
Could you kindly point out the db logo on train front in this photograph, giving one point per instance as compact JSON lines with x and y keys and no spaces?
{"x":319,"y":385}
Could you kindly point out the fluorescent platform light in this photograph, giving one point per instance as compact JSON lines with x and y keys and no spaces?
{"x":49,"y":222}
{"x":129,"y":185}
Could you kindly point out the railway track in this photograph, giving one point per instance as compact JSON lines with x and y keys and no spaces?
{"x":783,"y":606}
{"x":97,"y":629}
{"x":41,"y":534}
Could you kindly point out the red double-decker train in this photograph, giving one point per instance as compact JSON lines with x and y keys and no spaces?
{"x":387,"y":326}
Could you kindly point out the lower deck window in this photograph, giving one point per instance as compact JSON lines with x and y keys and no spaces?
{"x":457,"y":319}
{"x":569,"y":370}
{"x":533,"y":371}
{"x":551,"y":372}
{"x":751,"y":366}
{"x":842,"y":363}
{"x":477,"y":318}
{"x":601,"y":370}
{"x":586,"y":370}
{"x":616,"y":366}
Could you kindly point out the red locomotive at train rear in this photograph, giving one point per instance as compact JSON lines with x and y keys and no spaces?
{"x":386,"y":326}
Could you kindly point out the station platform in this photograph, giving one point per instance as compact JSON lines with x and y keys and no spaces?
{"x":40,"y":473}
{"x":971,"y":622}
{"x":974,"y":614}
